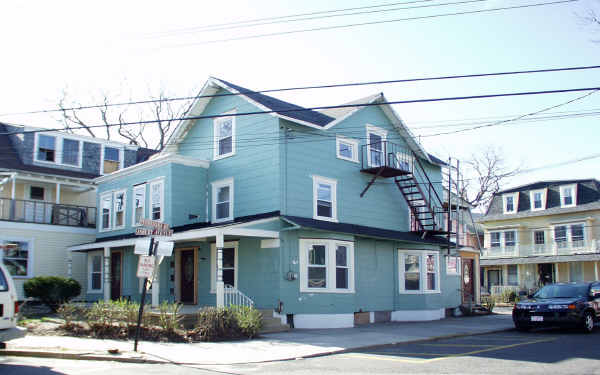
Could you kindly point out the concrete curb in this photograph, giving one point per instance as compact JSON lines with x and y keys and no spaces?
{"x":98,"y":357}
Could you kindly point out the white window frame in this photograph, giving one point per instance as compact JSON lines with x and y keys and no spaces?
{"x":30,"y":257}
{"x":216,"y":185}
{"x":330,"y":265}
{"x":213,"y":264}
{"x":333,"y":184}
{"x":573,"y":188}
{"x":504,"y":237}
{"x":121,"y":153}
{"x":450,"y":271}
{"x":515,"y":197}
{"x":103,"y":196}
{"x":383,"y":134}
{"x":160,"y":182}
{"x":499,"y":239}
{"x":422,"y":271}
{"x":569,"y":233}
{"x":532,"y":194}
{"x":90,"y":256}
{"x":353,"y":143}
{"x":136,"y":189}
{"x":216,"y":122}
{"x":123,"y":210}
{"x":58,"y":150}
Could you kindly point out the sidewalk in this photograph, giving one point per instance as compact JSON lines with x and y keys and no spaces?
{"x":270,"y":347}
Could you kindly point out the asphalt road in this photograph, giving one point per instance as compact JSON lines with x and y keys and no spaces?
{"x":542,"y":351}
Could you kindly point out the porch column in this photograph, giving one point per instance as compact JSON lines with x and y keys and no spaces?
{"x":596,"y":271}
{"x":13,"y":204}
{"x":557,"y":272}
{"x":57,"y":193}
{"x":156,"y":287}
{"x":220,"y":286}
{"x":70,"y":265}
{"x":107,"y":273}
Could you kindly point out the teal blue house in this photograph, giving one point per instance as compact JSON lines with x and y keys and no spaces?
{"x":318,"y":215}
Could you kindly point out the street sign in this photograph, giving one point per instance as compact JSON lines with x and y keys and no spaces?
{"x":141,"y":246}
{"x":153,"y":228}
{"x":145,"y":266}
{"x":165,"y":248}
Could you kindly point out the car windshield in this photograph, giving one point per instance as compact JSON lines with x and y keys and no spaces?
{"x":562,"y":291}
{"x":3,"y":282}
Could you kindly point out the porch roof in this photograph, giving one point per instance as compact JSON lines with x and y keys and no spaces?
{"x":541,"y":259}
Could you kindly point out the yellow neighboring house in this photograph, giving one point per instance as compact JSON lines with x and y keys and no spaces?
{"x":540,"y":233}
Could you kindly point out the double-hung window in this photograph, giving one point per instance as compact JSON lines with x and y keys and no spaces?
{"x":346,"y":149}
{"x":230,"y":265}
{"x":16,"y":255}
{"x":495,"y":239}
{"x":577,"y":238}
{"x":538,"y":199}
{"x":119,"y":200}
{"x":224,"y":137}
{"x":139,"y":203}
{"x":105,"y":211}
{"x":222,"y":198}
{"x":419,"y":271}
{"x":58,"y":150}
{"x":324,"y":198}
{"x":376,"y":145}
{"x":71,"y":152}
{"x":510,"y":238}
{"x":513,"y":275}
{"x":568,"y":196}
{"x":95,"y":272}
{"x":560,"y":236}
{"x":326,"y":266}
{"x":46,"y":148}
{"x":510,"y":203}
{"x":157,"y":200}
{"x":111,"y":161}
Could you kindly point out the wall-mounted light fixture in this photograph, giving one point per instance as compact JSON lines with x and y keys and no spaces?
{"x":192,"y":217}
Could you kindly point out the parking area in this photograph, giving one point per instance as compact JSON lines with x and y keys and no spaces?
{"x":451,"y":348}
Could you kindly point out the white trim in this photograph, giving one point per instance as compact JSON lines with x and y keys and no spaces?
{"x":213,"y":264}
{"x":90,"y":256}
{"x":216,"y":185}
{"x":141,"y":187}
{"x":573,"y":188}
{"x":532,"y":199}
{"x":422,"y":254}
{"x":153,"y":164}
{"x":515,"y":197}
{"x":109,"y":195}
{"x":84,"y":138}
{"x":272,"y":243}
{"x":46,"y":227}
{"x":30,"y":254}
{"x":121,"y":151}
{"x":371,"y":129}
{"x":158,"y":181}
{"x":349,"y":141}
{"x":216,"y":122}
{"x":124,"y":210}
{"x":458,"y":270}
{"x":330,"y":265}
{"x":417,"y":315}
{"x":333,"y":184}
{"x":323,"y":321}
{"x":52,"y":179}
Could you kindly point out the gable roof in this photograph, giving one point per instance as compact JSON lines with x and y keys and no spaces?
{"x":322,"y":119}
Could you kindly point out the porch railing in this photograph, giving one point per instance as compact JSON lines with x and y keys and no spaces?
{"x":234,"y":297}
{"x":499,"y":289}
{"x":40,"y":212}
{"x":552,"y":248}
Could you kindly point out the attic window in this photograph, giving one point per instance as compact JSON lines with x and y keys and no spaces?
{"x":112,"y":160}
{"x":568,"y":197}
{"x":46,"y":148}
{"x":538,"y":199}
{"x":224,"y":137}
{"x":510,"y":203}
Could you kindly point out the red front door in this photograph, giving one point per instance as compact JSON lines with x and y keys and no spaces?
{"x":467,"y":280}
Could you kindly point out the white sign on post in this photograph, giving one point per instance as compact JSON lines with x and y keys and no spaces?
{"x":142,"y":246}
{"x":145,"y":266}
{"x":165,"y":248}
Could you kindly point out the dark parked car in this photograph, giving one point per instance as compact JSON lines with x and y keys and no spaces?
{"x":572,"y":305}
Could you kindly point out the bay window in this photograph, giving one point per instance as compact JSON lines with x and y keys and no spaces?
{"x":119,"y":209}
{"x":326,"y":266}
{"x":157,"y":200}
{"x":139,"y":203}
{"x":105,"y":211}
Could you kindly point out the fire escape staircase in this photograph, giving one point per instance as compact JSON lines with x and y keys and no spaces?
{"x":388,"y":160}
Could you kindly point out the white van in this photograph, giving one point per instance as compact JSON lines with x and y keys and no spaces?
{"x":8,"y":301}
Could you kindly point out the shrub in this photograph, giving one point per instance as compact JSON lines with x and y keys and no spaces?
{"x":249,"y":320}
{"x":52,"y":290}
{"x":115,"y":318}
{"x":169,"y":319}
{"x":70,"y":312}
{"x":215,"y":323}
{"x":488,"y":302}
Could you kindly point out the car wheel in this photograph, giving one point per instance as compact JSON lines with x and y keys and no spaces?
{"x":588,"y":322}
{"x":522,"y":327}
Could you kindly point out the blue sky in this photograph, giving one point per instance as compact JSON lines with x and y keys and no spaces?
{"x":94,"y":47}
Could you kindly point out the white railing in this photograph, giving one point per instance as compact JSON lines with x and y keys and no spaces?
{"x":496,"y":252}
{"x":237,"y":298}
{"x":499,"y":289}
{"x":552,"y":248}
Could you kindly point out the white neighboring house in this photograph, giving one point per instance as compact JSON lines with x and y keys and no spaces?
{"x":48,"y":199}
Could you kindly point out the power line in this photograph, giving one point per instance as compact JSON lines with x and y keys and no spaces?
{"x":298,"y":88}
{"x":255,"y":36}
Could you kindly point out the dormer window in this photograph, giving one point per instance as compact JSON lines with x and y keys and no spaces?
{"x":538,"y":199}
{"x":510,"y":203}
{"x":46,"y":150}
{"x":111,"y":159}
{"x":56,"y":149}
{"x":568,"y":196}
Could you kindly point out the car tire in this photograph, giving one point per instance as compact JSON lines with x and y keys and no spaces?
{"x":522,"y":327}
{"x":588,"y":322}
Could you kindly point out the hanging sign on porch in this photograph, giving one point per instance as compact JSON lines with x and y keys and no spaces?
{"x":153,"y":228}
{"x":141,"y":246}
{"x":145,"y":266}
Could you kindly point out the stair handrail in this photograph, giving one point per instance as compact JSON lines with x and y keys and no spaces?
{"x":234,"y":296}
{"x":427,"y":177}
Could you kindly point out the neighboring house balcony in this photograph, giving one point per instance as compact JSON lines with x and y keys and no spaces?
{"x":554,"y":248}
{"x":41,"y":212}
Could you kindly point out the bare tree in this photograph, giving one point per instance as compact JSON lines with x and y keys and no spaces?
{"x":114,"y":121}
{"x":484,"y":174}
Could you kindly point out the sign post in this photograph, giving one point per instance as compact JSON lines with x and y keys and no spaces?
{"x":146,"y":264}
